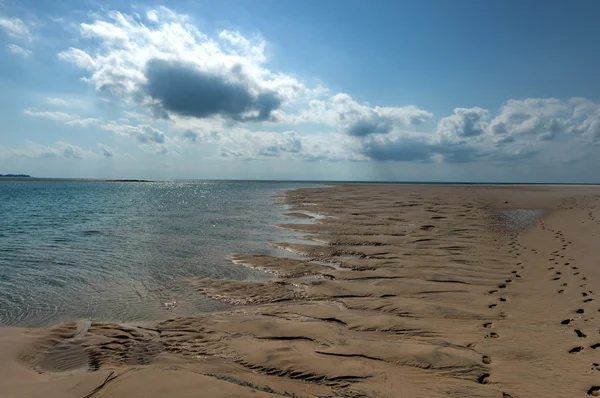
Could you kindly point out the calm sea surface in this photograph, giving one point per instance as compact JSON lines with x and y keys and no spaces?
{"x":120,"y":251}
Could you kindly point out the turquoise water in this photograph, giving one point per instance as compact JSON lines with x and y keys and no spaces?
{"x":123,"y":251}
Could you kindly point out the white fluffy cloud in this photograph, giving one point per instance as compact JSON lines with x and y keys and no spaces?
{"x":356,"y":119}
{"x":220,"y":91}
{"x":18,"y":50}
{"x":137,"y":54}
{"x":66,"y":118}
{"x":464,"y":123}
{"x":545,"y":118}
{"x":15,"y":27}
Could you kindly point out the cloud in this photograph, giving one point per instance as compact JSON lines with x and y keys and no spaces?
{"x":191,"y":135}
{"x":406,"y":147}
{"x":464,"y":123}
{"x":56,"y":116}
{"x":532,"y":116}
{"x":83,"y":122}
{"x":185,"y":90}
{"x":66,"y":118}
{"x":15,"y":27}
{"x":78,"y":57}
{"x":249,"y":145}
{"x":132,"y":53}
{"x":206,"y":87}
{"x":397,"y":148}
{"x":150,"y":139}
{"x":57,"y":150}
{"x":544,"y":119}
{"x":57,"y":101}
{"x":107,"y":151}
{"x":18,"y":50}
{"x":356,"y":119}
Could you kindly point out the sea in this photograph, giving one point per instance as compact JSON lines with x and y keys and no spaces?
{"x":126,"y":251}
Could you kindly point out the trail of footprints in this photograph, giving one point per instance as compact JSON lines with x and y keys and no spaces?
{"x":560,"y":266}
{"x":515,"y":248}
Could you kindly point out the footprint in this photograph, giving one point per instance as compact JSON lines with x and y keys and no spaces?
{"x":580,"y":334}
{"x":495,"y":305}
{"x":580,"y":311}
{"x":493,"y":335}
{"x":594,"y":391}
{"x":485,"y":378}
{"x":565,"y":322}
{"x":556,"y":279}
{"x":486,"y":360}
{"x":575,"y":350}
{"x":588,"y":300}
{"x":594,"y":346}
{"x":487,"y":325}
{"x":561,"y":291}
{"x":501,"y":286}
{"x":492,"y":291}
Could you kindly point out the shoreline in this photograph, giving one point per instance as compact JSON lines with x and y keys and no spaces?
{"x":427,"y":298}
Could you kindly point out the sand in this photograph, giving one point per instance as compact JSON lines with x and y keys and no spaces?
{"x":403,"y":291}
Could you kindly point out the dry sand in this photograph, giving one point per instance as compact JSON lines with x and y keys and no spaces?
{"x":414,"y":291}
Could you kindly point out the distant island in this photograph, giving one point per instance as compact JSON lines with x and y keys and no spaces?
{"x":15,"y":176}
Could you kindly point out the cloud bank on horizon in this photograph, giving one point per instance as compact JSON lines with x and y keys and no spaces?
{"x":153,"y":85}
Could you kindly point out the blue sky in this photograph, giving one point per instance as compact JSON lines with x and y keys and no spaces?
{"x":351,"y":90}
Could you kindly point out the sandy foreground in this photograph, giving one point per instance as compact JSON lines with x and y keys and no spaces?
{"x":405,"y":291}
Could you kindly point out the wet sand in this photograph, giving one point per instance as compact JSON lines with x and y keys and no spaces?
{"x":410,"y":291}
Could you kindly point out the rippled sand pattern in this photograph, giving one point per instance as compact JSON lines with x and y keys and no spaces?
{"x":418,"y":292}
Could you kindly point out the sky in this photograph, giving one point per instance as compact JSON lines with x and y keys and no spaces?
{"x":496,"y":91}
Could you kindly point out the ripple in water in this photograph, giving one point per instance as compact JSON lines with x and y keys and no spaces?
{"x":123,"y":251}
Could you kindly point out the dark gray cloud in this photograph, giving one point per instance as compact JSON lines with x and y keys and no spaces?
{"x":365,"y":127}
{"x":402,"y":150}
{"x":182,"y":89}
{"x":416,"y":149}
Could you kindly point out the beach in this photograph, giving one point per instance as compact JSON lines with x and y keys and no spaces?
{"x":392,"y":291}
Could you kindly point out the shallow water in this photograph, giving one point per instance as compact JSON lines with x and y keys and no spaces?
{"x":123,"y":251}
{"x":519,"y":218}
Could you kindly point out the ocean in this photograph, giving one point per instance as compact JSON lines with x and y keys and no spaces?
{"x":123,"y":251}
